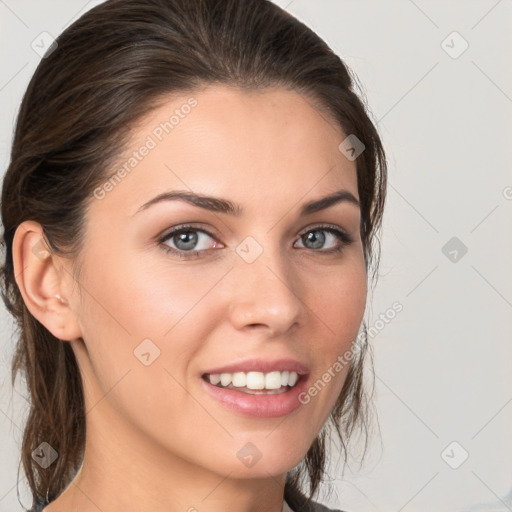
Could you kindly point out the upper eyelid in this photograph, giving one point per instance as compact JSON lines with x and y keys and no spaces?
{"x":168,"y":232}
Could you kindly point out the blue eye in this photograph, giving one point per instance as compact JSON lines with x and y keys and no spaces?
{"x":335,"y":233}
{"x":186,"y":237}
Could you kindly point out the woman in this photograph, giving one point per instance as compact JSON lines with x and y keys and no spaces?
{"x":190,"y":217}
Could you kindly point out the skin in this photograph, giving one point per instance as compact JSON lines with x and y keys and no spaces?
{"x":155,"y":439}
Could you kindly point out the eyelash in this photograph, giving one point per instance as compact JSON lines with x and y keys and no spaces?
{"x":343,"y":236}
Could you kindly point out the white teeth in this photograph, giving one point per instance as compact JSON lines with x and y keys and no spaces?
{"x":239,"y":379}
{"x":215,"y":378}
{"x":255,"y":380}
{"x":273,"y":380}
{"x":225,"y":379}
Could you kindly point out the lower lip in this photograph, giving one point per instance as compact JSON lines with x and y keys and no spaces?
{"x":259,"y":406}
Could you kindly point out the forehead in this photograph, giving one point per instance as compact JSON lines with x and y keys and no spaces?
{"x":266,"y":145}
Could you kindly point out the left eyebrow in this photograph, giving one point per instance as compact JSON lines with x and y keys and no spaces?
{"x":325,"y":202}
{"x":219,"y":205}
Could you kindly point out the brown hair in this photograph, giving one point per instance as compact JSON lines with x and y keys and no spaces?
{"x":110,"y":68}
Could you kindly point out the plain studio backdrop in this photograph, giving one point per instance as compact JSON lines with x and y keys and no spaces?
{"x":438,"y":81}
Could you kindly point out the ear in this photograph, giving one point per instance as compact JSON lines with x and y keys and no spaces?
{"x":43,"y":282}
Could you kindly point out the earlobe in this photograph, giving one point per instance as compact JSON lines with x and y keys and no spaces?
{"x":42,"y":283}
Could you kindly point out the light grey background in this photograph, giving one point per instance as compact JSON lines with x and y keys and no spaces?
{"x":443,"y":363}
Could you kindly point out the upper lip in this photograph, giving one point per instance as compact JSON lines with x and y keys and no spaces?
{"x":262,"y":365}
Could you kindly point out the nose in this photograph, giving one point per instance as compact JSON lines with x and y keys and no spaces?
{"x":265,"y":294}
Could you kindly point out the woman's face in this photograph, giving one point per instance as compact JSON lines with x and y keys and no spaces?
{"x":158,"y":311}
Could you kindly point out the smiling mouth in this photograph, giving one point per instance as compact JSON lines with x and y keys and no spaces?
{"x":255,"y":383}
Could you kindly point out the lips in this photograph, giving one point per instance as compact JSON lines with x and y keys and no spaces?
{"x":262,"y":403}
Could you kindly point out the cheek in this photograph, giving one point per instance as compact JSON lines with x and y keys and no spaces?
{"x":339,"y":304}
{"x":141,"y":298}
{"x":141,"y":328}
{"x":339,"y":300}
{"x":136,"y":313}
